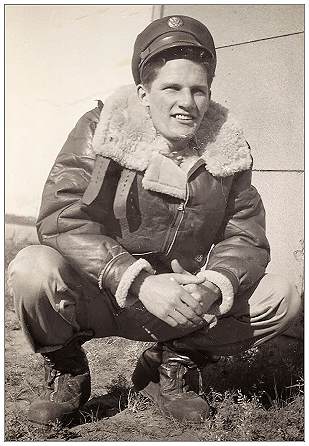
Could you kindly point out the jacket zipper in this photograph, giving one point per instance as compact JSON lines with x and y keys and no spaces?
{"x":181,"y":208}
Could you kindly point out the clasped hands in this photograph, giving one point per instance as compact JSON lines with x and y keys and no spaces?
{"x":179,"y":298}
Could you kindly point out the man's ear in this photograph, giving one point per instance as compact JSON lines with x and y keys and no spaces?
{"x":143,"y":95}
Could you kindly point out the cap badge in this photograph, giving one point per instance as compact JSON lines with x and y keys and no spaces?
{"x":199,"y":258}
{"x":175,"y":22}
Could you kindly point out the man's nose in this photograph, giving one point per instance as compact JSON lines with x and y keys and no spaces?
{"x":186,"y":99}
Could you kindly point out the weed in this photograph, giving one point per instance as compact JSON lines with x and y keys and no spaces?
{"x":137,"y":402}
{"x":258,"y":395}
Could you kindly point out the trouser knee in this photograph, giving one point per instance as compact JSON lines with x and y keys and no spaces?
{"x":287,"y":298}
{"x":44,"y":286}
{"x":259,"y":317}
{"x":30,"y":274}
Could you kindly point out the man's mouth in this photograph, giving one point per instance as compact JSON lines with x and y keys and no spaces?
{"x":181,"y":117}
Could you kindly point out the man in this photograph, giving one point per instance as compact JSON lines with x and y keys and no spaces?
{"x":151,"y":230}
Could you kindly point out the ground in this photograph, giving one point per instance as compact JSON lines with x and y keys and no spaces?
{"x":257,"y":396}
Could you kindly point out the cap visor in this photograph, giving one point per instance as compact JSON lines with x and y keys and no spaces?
{"x":158,"y":47}
{"x":173,"y":45}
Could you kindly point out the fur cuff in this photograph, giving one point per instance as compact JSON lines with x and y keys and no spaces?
{"x":226,"y":288}
{"x":128,"y":278}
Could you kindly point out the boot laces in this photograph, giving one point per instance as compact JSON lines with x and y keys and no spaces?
{"x":190,"y":366}
{"x":186,"y":387}
{"x":52,"y":372}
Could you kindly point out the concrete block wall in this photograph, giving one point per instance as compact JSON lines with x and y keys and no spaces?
{"x":60,"y":58}
{"x":260,"y":77}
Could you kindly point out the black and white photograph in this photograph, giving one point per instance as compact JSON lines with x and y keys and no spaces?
{"x":154,"y":222}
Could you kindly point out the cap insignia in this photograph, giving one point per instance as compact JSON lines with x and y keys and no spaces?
{"x":199,"y":258}
{"x":175,"y":22}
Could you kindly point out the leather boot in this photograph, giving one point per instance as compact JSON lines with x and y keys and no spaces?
{"x":68,"y":385}
{"x":172,"y":394}
{"x":147,"y":367}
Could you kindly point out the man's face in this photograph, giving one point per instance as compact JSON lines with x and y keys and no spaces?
{"x":177,"y":99}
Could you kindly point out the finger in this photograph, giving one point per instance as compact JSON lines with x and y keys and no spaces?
{"x":170,"y":321}
{"x":194,"y":291}
{"x":180,"y":318}
{"x":191,"y":288}
{"x":194,"y":303}
{"x":189,"y":314}
{"x":177,"y":268}
{"x":185,"y":279}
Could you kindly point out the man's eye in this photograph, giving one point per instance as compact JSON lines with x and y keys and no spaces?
{"x":171,"y":88}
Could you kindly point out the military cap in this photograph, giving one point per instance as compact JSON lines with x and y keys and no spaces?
{"x":169,"y":32}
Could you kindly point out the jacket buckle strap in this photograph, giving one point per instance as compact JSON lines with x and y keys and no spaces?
{"x":123,"y":188}
{"x":96,"y":181}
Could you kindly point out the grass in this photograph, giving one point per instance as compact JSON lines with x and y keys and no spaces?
{"x":257,"y":396}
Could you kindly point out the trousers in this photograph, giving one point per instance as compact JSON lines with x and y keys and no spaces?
{"x":55,"y":303}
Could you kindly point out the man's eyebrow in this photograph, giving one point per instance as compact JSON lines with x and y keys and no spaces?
{"x":176,"y":84}
{"x":170,"y":83}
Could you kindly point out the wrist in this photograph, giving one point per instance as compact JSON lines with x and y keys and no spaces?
{"x":225,"y":285}
{"x":213,"y":287}
{"x":128,"y":278}
{"x":212,"y":293}
{"x":136,"y":286}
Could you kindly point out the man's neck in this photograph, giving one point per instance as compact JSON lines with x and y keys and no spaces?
{"x":180,"y":145}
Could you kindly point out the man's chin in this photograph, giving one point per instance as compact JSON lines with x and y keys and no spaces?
{"x":186,"y":132}
{"x":180,"y":139}
{"x":185,"y":136}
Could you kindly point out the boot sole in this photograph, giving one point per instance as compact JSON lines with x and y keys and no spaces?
{"x":152,"y":392}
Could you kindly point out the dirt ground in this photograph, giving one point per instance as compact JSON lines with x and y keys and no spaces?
{"x":250,"y":405}
{"x":257,"y":396}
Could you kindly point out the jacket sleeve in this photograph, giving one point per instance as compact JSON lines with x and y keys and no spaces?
{"x":65,"y":225}
{"x":241,"y":252}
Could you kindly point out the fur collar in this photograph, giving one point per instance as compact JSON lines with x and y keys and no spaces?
{"x":125,"y":134}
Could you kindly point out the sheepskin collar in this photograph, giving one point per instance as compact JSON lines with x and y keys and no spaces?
{"x":125,"y":134}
